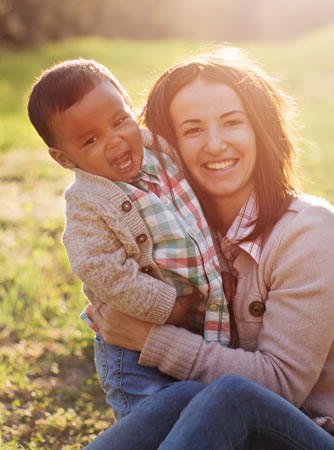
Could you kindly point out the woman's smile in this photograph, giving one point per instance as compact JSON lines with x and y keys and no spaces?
{"x":216,"y":141}
{"x":220,"y":165}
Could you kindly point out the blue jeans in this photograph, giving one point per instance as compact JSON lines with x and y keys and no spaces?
{"x":125,"y":382}
{"x":232,"y":413}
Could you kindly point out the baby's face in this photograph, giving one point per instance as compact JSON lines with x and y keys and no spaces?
{"x":100,"y":135}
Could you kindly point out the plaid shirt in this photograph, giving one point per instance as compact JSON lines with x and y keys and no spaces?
{"x":241,"y":227}
{"x":229,"y":244}
{"x":182,"y":243}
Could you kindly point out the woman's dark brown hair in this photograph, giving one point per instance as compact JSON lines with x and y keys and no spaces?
{"x":269,"y":110}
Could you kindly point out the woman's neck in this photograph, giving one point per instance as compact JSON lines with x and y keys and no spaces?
{"x":226,"y":215}
{"x":219,"y":215}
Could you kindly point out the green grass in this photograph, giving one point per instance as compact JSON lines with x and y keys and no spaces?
{"x":49,"y":393}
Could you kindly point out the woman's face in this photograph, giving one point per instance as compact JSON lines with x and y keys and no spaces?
{"x":216,"y":140}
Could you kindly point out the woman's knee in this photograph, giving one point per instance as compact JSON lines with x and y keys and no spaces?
{"x":229,"y":384}
{"x":233,"y":390}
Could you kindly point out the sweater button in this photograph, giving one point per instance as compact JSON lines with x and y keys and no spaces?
{"x":146,"y":269}
{"x":257,"y":309}
{"x":141,"y":239}
{"x":126,"y":206}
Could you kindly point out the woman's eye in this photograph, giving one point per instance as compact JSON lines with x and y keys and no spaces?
{"x":232,"y":123}
{"x":191,"y":131}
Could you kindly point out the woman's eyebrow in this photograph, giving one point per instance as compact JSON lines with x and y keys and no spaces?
{"x":228,"y":113}
{"x":189,"y":121}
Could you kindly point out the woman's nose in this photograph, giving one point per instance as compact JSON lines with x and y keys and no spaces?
{"x":215,"y":141}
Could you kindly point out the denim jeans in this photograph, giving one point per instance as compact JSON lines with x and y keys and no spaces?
{"x":125,"y":382}
{"x":232,"y":413}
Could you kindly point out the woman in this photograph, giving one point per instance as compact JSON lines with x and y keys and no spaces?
{"x":235,"y":133}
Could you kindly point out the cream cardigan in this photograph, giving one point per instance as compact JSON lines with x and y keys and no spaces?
{"x":290,"y":347}
{"x":101,"y":240}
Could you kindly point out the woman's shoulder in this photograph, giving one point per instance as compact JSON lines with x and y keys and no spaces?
{"x":310,"y":211}
{"x":310,"y":204}
{"x":307,"y":219}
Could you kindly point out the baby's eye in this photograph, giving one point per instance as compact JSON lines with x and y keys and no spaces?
{"x":119,"y":121}
{"x":90,"y":141}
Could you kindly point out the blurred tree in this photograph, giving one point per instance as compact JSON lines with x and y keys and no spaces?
{"x":31,"y":22}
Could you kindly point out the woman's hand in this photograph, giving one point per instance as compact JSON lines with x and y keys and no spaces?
{"x":118,"y":328}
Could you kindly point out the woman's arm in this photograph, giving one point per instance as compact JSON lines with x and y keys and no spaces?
{"x":297,"y":332}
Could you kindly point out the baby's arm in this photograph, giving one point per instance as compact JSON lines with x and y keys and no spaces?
{"x":107,"y":261}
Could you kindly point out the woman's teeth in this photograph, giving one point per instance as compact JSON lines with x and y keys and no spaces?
{"x":220,"y":165}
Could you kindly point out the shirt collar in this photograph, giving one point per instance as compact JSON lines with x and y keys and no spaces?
{"x":148,"y":171}
{"x":242,"y":226}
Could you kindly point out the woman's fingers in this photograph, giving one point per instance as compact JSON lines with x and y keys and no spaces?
{"x":120,"y":329}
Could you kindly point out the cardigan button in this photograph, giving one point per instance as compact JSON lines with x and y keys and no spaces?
{"x":141,"y":239}
{"x":146,"y":269}
{"x":257,"y":309}
{"x":126,"y":206}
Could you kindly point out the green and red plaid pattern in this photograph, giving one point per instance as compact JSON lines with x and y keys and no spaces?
{"x":182,"y":243}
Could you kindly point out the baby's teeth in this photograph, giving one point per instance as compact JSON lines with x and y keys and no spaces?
{"x":126,"y":165}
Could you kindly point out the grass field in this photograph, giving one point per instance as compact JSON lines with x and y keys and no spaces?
{"x":49,"y":394}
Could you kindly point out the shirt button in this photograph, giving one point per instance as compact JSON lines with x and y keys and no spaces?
{"x":213,"y":307}
{"x":257,"y":309}
{"x":208,"y":270}
{"x":165,"y":200}
{"x":227,"y":242}
{"x":147,"y":269}
{"x":141,"y":238}
{"x":126,"y":206}
{"x":191,"y":233}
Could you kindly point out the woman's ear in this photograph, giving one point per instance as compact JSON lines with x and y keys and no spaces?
{"x":61,"y":158}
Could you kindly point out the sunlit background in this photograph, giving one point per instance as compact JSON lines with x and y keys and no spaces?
{"x":32,"y":22}
{"x":49,"y":394}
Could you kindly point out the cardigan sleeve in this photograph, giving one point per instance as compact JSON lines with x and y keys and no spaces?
{"x":297,"y":333}
{"x":105,"y":256}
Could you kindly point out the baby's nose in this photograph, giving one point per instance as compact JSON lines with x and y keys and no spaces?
{"x":114,"y":140}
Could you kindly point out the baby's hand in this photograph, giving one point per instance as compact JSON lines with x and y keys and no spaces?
{"x":181,"y":314}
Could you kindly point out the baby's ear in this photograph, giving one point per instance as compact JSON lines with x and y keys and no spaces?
{"x":61,"y":158}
